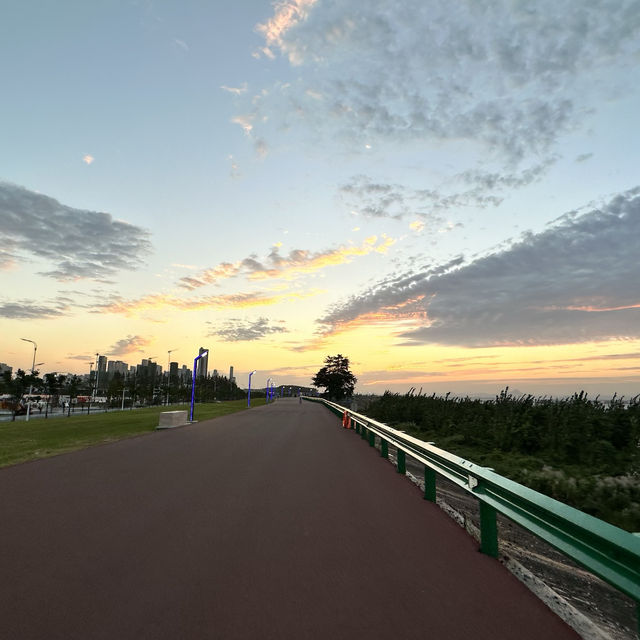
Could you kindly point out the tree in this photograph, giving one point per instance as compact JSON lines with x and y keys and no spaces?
{"x":335,"y":377}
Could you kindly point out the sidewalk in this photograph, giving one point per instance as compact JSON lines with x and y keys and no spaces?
{"x":269,"y":523}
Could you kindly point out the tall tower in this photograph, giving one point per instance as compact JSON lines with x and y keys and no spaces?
{"x":203,"y":363}
{"x":231,"y":378}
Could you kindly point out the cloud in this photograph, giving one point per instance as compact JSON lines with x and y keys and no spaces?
{"x":181,"y":43}
{"x":32,"y":310}
{"x":288,"y":14}
{"x":297,"y":262}
{"x":88,"y":159}
{"x":508,"y":77}
{"x":245,"y":121}
{"x":379,"y":199}
{"x":78,"y":243}
{"x":152,"y":302}
{"x":578,"y":281}
{"x":130,"y":344}
{"x":238,"y":91}
{"x":238,"y":330}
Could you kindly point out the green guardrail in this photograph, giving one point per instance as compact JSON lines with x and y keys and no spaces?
{"x":607,"y":551}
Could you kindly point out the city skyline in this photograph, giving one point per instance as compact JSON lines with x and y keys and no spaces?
{"x":447,"y":196}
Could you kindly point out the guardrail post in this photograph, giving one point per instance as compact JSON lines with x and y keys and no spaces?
{"x":429,"y":484}
{"x":372,"y":439}
{"x":363,"y":432}
{"x":402,"y":465}
{"x":357,"y":427}
{"x":384,"y":448}
{"x":488,"y":530}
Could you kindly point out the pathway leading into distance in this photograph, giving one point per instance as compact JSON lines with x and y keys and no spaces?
{"x":273,"y":523}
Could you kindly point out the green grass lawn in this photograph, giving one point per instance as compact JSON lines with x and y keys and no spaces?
{"x":21,"y":441}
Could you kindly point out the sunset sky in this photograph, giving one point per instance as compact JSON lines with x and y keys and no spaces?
{"x":446,"y":193}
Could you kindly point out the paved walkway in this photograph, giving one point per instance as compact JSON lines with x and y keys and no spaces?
{"x":270,"y":523}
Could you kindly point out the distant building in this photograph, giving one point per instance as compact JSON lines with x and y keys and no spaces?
{"x":173,"y":371}
{"x":185,"y":373}
{"x":117,"y":366}
{"x":102,"y":364}
{"x":203,"y":363}
{"x":232,"y":378}
{"x":5,"y":367}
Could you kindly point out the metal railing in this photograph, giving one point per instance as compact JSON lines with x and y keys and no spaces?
{"x":607,"y":551}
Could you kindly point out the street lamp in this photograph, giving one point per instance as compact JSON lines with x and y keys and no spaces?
{"x":33,"y":366}
{"x":267,"y":389}
{"x":249,"y":394}
{"x":193,"y":381}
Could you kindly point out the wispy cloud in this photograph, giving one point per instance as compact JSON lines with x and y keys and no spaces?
{"x":33,"y":310}
{"x":578,"y":281}
{"x":472,"y":188}
{"x":242,"y":330}
{"x":88,"y":159}
{"x":130,"y":344}
{"x":509,"y":78}
{"x":39,"y":226}
{"x":297,"y":262}
{"x":129,"y":307}
{"x":238,"y":91}
{"x":288,"y":13}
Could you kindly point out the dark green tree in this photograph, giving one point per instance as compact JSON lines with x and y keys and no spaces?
{"x":336,"y":378}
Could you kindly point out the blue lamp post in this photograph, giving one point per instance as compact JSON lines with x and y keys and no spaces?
{"x":267,"y":388}
{"x":249,"y":394}
{"x":193,"y":382}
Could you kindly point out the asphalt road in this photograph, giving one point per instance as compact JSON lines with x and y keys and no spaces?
{"x":270,"y":523}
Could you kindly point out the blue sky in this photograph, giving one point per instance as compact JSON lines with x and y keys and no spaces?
{"x":446,"y":194}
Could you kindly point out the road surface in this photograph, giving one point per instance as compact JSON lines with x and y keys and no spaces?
{"x":273,"y":523}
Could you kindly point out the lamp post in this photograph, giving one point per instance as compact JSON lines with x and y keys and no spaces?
{"x":249,"y":394}
{"x":193,"y":381}
{"x":267,"y":389}
{"x":33,"y":366}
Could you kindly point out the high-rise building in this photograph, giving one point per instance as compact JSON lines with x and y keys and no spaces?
{"x":203,"y":363}
{"x":117,"y":366}
{"x":173,"y":373}
{"x":102,"y":364}
{"x":185,"y":373}
{"x":231,"y":376}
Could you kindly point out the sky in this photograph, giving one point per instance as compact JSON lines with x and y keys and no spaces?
{"x":446,"y":193}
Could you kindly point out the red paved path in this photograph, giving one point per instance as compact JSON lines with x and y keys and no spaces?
{"x":270,"y":523}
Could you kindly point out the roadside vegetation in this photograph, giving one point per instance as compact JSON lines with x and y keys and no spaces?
{"x":581,"y":451}
{"x":21,"y":441}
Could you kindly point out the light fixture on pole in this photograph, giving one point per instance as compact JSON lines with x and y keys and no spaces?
{"x":267,"y":389}
{"x":193,"y":381}
{"x":249,"y":394}
{"x":33,"y":366}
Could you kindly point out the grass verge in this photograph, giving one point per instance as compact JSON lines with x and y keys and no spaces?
{"x":21,"y":441}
